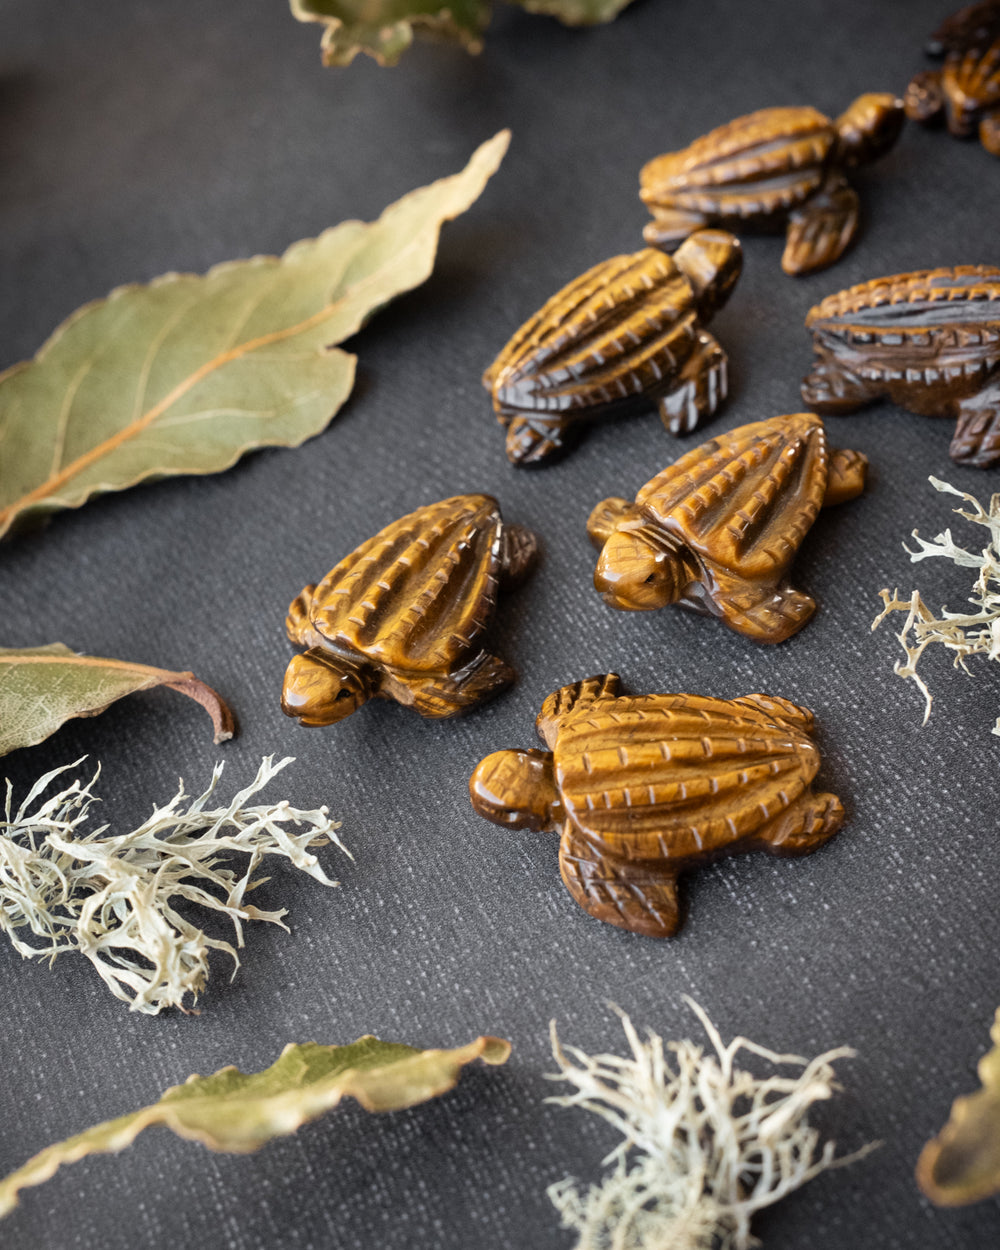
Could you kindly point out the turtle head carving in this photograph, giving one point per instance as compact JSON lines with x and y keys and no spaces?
{"x":869,"y":127}
{"x":517,"y":789}
{"x":321,"y":688}
{"x":711,"y":260}
{"x":640,"y":569}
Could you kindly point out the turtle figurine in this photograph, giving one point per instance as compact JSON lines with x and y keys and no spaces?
{"x":625,"y":334}
{"x":718,"y":530}
{"x":972,"y":27}
{"x":770,"y":169}
{"x":928,"y":341}
{"x":965,"y":92}
{"x":644,"y":788}
{"x":401,"y":616}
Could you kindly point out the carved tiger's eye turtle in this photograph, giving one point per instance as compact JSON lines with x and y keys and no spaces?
{"x":625,"y":334}
{"x":928,"y":341}
{"x":644,"y":788}
{"x":966,"y":93}
{"x":401,"y":616}
{"x":974,"y":26}
{"x":769,"y":168}
{"x":718,"y":530}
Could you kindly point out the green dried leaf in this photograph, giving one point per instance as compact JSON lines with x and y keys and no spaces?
{"x":188,"y":373}
{"x":240,"y":1112}
{"x":43,"y":687}
{"x":962,"y":1164}
{"x":384,"y":29}
{"x":114,"y":897}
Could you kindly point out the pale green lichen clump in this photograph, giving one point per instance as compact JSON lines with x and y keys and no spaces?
{"x":112,"y":897}
{"x":963,"y":633}
{"x":705,"y":1144}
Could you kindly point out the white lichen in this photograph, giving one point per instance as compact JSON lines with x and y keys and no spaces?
{"x":705,"y":1143}
{"x":114,"y":897}
{"x":962,"y":633}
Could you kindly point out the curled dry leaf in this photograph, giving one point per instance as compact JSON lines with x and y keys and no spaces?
{"x":114,"y":898}
{"x":705,"y":1143}
{"x":43,"y":687}
{"x":384,"y":29}
{"x":239,"y":1112}
{"x":962,"y":1164}
{"x":188,"y":373}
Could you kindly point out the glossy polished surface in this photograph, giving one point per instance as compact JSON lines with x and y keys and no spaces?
{"x":965,"y":93}
{"x":770,"y":169}
{"x":401,"y":616}
{"x":928,"y":341}
{"x":645,"y":787}
{"x":625,"y":334}
{"x":718,"y":530}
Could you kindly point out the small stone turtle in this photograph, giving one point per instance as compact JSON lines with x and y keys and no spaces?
{"x":965,"y":93}
{"x":625,"y":334}
{"x":928,"y":341}
{"x":401,"y":616}
{"x":718,"y":530}
{"x":769,"y":168}
{"x":643,"y":788}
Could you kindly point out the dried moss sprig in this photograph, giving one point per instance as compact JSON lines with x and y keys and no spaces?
{"x":705,"y":1144}
{"x":963,"y":633}
{"x":112,"y":897}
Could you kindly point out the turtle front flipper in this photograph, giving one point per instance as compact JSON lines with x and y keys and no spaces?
{"x":634,"y":895}
{"x":701,"y":386}
{"x":822,"y":229}
{"x":449,"y":694}
{"x":533,"y":439}
{"x":768,"y":613}
{"x":804,"y":826}
{"x":671,"y":226}
{"x":519,"y":552}
{"x":607,"y":516}
{"x":578,"y":696}
{"x":976,"y":441}
{"x":845,"y":476}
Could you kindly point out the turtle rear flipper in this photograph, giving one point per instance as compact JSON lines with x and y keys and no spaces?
{"x":670,"y":227}
{"x":638,"y":896}
{"x":822,"y":229}
{"x":533,"y":439}
{"x":803,"y":827}
{"x":977,"y":436}
{"x":453,"y":693}
{"x":518,"y":554}
{"x":298,"y":622}
{"x":701,"y":387}
{"x":576,"y":697}
{"x":845,"y":476}
{"x":763,"y":613}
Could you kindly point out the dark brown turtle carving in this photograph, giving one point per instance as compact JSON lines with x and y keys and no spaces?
{"x":928,"y":341}
{"x":774,"y":168}
{"x":401,"y":617}
{"x":625,"y":334}
{"x":718,"y":530}
{"x":975,"y":26}
{"x":644,"y":788}
{"x":965,"y":92}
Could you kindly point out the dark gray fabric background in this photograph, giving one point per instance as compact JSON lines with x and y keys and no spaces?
{"x":137,"y":138}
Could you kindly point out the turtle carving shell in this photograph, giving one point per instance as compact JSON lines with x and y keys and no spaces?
{"x":778,"y":167}
{"x":626,"y":333}
{"x":402,"y":616}
{"x":644,"y":788}
{"x":928,"y":341}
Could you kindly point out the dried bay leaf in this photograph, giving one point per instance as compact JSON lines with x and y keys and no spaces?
{"x":962,"y":1164}
{"x":43,"y":687}
{"x":384,"y":29}
{"x":188,"y":373}
{"x":239,"y":1112}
